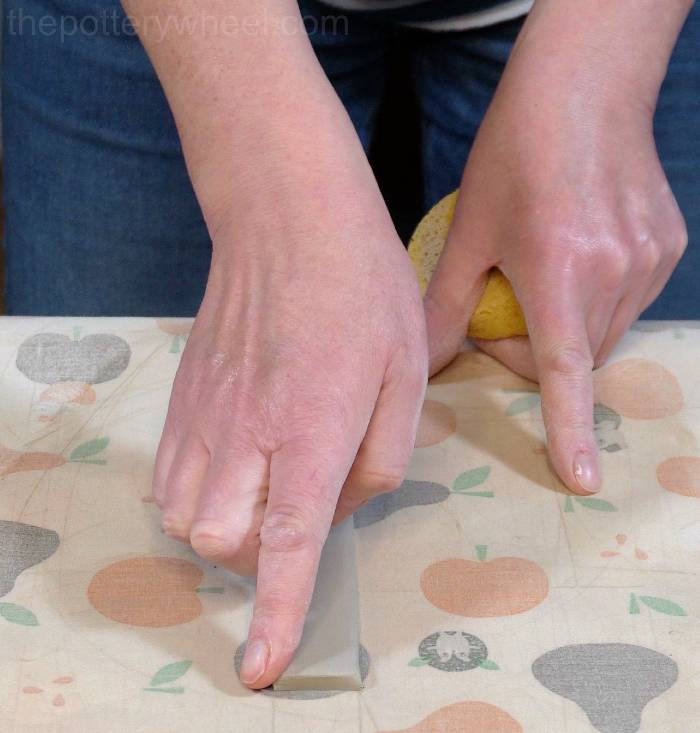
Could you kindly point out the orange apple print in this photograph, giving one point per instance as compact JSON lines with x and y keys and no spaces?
{"x":148,"y":591}
{"x":470,"y":716}
{"x":681,"y":475}
{"x":437,"y":422}
{"x":638,"y":388}
{"x":174,"y":327}
{"x":479,"y":589}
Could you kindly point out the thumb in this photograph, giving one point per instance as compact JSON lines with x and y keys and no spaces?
{"x":453,"y":293}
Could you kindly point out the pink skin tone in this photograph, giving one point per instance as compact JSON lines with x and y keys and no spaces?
{"x":299,"y":392}
{"x":564,"y":192}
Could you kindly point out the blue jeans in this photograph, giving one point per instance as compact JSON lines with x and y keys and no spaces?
{"x":101,"y":216}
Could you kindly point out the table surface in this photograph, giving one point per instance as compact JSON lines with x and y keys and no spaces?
{"x":491,"y":599}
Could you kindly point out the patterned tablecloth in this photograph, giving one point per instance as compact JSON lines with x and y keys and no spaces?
{"x":491,"y":599}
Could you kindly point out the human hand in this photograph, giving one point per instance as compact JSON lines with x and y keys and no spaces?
{"x":299,"y":391}
{"x":564,"y":192}
{"x":298,"y":394}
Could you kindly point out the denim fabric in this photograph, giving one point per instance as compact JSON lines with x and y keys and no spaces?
{"x":101,"y":216}
{"x":455,"y":75}
{"x":100,"y":213}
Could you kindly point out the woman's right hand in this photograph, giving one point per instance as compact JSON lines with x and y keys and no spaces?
{"x":299,"y":391}
{"x":298,"y":394}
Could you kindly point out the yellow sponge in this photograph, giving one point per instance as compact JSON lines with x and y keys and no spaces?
{"x":498,"y":314}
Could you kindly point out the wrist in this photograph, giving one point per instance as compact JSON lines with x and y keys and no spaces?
{"x":298,"y":189}
{"x":609,"y":55}
{"x":293,"y":157}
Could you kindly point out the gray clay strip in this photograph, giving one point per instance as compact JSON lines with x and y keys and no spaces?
{"x":327,"y":657}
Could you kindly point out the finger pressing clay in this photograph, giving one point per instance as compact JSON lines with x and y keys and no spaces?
{"x":327,"y":655}
{"x":498,"y":314}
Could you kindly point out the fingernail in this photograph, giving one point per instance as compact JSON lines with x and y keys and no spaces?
{"x":254,"y":661}
{"x":586,"y":472}
{"x":173,"y":529}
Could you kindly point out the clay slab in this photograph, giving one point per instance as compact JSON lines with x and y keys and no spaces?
{"x":327,"y":657}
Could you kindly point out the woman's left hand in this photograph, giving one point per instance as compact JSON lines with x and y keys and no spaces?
{"x":564,"y":192}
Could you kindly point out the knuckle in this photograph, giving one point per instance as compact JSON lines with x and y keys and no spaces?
{"x":568,"y":359}
{"x":617,"y":265}
{"x":648,"y":256}
{"x":290,"y":528}
{"x":214,"y":541}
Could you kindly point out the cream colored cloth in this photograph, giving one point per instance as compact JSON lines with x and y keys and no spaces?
{"x":491,"y":600}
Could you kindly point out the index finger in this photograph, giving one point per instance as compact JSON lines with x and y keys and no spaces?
{"x":304,"y":489}
{"x":562,"y":354}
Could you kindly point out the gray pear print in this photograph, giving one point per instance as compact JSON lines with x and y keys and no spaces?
{"x":410,"y":493}
{"x":22,"y":546}
{"x":612,"y":683}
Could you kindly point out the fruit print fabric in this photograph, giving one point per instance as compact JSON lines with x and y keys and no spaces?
{"x":147,"y":591}
{"x":500,"y":587}
{"x":639,"y":388}
{"x":53,"y":357}
{"x":410,"y":493}
{"x":612,"y":683}
{"x":466,"y":717}
{"x":491,"y":601}
{"x":452,"y":651}
{"x":21,"y":547}
{"x":680,"y":474}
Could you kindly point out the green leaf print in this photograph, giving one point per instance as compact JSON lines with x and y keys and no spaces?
{"x":418,"y":662}
{"x":176,"y":343}
{"x":488,"y":664}
{"x":634,"y":605}
{"x":170,"y":672}
{"x":662,"y":605}
{"x":599,"y":505}
{"x":470,"y":479}
{"x":17,"y":614}
{"x":91,"y":448}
